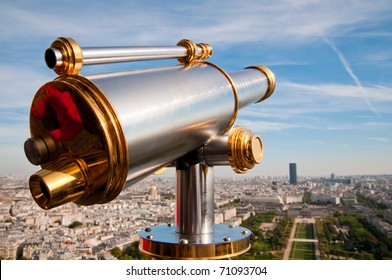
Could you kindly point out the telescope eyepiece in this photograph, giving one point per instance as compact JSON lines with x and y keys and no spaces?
{"x":58,"y":184}
{"x":40,"y":150}
{"x":53,"y":58}
{"x":245,"y":149}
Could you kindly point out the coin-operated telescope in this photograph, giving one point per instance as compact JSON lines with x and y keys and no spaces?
{"x":93,"y":134}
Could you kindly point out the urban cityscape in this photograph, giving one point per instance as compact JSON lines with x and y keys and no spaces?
{"x":291,"y":217}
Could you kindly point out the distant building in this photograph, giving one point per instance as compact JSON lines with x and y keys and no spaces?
{"x":273,"y":199}
{"x":344,"y":181}
{"x":308,"y":211}
{"x":349,"y":198}
{"x":333,"y":199}
{"x":153,"y":193}
{"x":288,"y":199}
{"x":218,"y":217}
{"x":8,"y":248}
{"x":293,"y":173}
{"x":229,"y":213}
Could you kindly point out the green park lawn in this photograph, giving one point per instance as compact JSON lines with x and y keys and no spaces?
{"x":302,"y":251}
{"x":304,"y":231}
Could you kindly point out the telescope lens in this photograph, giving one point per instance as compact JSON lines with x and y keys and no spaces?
{"x":53,"y":58}
{"x":44,"y":190}
{"x":256,"y":149}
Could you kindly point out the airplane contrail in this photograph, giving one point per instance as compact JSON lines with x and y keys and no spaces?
{"x":349,"y":70}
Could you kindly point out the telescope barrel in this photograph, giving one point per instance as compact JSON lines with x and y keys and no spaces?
{"x":136,"y":121}
{"x":203,"y":104}
{"x":66,"y":56}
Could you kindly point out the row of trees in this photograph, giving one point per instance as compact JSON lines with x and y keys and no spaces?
{"x":253,"y":222}
{"x":363,"y":240}
{"x":363,"y":236}
{"x":269,"y":245}
{"x":370,"y":202}
{"x":130,"y":252}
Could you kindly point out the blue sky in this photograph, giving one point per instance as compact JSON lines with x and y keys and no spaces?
{"x":332,"y":108}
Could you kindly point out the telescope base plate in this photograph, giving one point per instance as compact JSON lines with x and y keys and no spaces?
{"x":225,"y":242}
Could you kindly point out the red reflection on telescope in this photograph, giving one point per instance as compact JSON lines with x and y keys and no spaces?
{"x":68,"y":116}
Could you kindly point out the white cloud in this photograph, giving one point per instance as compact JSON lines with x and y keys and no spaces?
{"x":378,"y":124}
{"x":292,"y":99}
{"x":349,"y":70}
{"x":313,"y":107}
{"x":13,"y":133}
{"x":18,"y":85}
{"x":380,"y":139}
{"x":226,"y":23}
{"x":261,"y":126}
{"x":377,"y":93}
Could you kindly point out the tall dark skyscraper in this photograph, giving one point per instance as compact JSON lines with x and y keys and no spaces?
{"x":293,"y":173}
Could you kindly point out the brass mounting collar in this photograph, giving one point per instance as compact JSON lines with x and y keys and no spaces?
{"x":206,"y":51}
{"x":235,"y":93}
{"x":72,"y":56}
{"x":192,"y":51}
{"x":270,"y":78}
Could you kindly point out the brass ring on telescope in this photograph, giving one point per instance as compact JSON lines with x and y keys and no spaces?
{"x":191,"y":51}
{"x":72,"y":56}
{"x":236,"y":99}
{"x":103,"y":146}
{"x":270,"y":78}
{"x":206,"y":51}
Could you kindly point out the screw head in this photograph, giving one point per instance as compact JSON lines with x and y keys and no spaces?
{"x":147,"y":229}
{"x":150,"y":236}
{"x":244,"y":232}
{"x":184,"y":241}
{"x":226,"y":239}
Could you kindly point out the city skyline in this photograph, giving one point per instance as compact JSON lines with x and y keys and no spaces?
{"x":330,"y":112}
{"x":91,"y":232}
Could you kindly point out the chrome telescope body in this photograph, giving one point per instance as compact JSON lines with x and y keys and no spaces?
{"x":92,"y":134}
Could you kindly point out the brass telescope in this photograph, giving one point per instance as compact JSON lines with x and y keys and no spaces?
{"x":92,"y":134}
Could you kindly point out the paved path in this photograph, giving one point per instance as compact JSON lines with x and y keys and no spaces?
{"x":286,"y":254}
{"x":287,"y":251}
